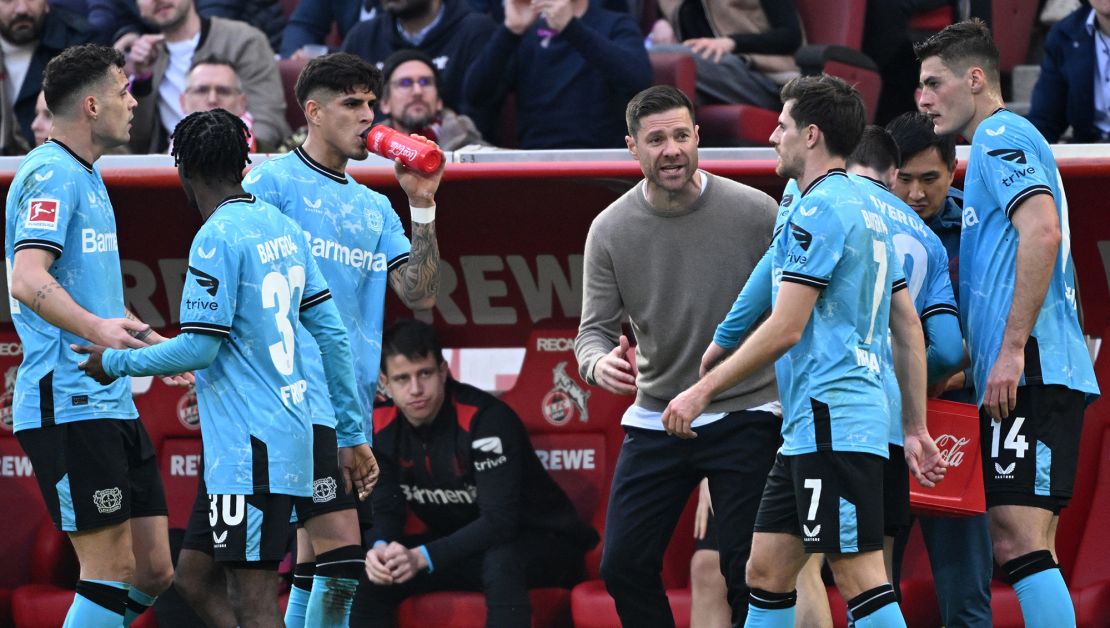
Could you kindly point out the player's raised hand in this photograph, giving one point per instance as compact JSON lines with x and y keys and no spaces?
{"x":119,"y":333}
{"x":93,"y":366}
{"x":420,"y":187}
{"x":519,"y":15}
{"x":614,"y":371}
{"x":360,"y":469}
{"x":926,"y":464}
{"x":682,"y":410}
{"x":376,"y":571}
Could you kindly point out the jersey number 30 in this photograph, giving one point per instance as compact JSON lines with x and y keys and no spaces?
{"x":278,"y":291}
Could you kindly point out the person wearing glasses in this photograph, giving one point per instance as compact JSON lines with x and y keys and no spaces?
{"x":411,"y":101}
{"x":213,"y":83}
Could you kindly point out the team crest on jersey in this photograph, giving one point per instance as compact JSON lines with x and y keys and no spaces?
{"x":187,"y":410}
{"x":42,"y":213}
{"x":375,"y":220}
{"x":108,"y":500}
{"x":6,"y":417}
{"x":566,"y":400}
{"x":323,"y":490}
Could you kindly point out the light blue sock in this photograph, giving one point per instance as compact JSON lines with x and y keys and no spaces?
{"x":137,"y":602}
{"x":768,"y":618}
{"x":330,"y":602}
{"x":87,"y":613}
{"x":889,"y":616}
{"x":298,"y":606}
{"x":1045,"y":601}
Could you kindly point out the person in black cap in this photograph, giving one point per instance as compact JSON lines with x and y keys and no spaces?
{"x":411,"y":100}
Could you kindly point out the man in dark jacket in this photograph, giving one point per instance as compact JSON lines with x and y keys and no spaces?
{"x":445,"y":30}
{"x":462,"y":463}
{"x":32,"y":34}
{"x":1076,"y":51}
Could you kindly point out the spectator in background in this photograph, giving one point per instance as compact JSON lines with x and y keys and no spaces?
{"x":446,"y":30}
{"x":159,"y":62}
{"x":31,"y":34}
{"x":410,"y":97}
{"x":312,"y":20}
{"x":497,"y":522}
{"x":43,"y":124}
{"x":572,"y":65}
{"x":1073,"y":89}
{"x":213,"y":83}
{"x":744,"y":49}
{"x":116,"y":18}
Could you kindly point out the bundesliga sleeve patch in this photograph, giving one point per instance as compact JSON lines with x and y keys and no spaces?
{"x":42,"y":213}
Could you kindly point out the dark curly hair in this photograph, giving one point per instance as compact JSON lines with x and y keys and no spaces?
{"x":211,"y":146}
{"x":70,"y":74}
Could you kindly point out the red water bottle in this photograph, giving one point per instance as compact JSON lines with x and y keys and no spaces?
{"x":414,"y":153}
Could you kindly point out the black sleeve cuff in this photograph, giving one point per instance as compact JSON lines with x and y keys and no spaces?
{"x":805,"y":280}
{"x":210,"y":329}
{"x":45,"y":245}
{"x":1023,"y":196}
{"x":940,"y":308}
{"x":315,"y":299}
{"x":400,"y":260}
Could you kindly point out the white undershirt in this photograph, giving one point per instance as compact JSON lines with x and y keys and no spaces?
{"x":16,"y":61}
{"x":173,"y":82}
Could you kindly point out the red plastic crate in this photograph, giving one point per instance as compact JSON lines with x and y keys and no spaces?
{"x":955,"y":427}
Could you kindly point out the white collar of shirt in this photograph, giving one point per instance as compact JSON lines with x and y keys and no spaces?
{"x":704,"y":182}
{"x":1102,"y":74}
{"x":417,"y":38}
{"x":17,"y":59}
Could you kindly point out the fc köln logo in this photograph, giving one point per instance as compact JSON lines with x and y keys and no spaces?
{"x":566,"y":400}
{"x":187,"y":411}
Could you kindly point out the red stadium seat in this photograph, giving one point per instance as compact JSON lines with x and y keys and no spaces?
{"x":676,"y":69}
{"x":550,"y":609}
{"x":834,"y":34}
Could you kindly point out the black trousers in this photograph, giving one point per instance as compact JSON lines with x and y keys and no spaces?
{"x":654,"y":477}
{"x":504,"y":573}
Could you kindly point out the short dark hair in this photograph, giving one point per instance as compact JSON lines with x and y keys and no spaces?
{"x":212,"y":59}
{"x":914,"y":133}
{"x":876,"y":149}
{"x":76,"y":69}
{"x":831,"y":104}
{"x":412,"y":339}
{"x":340,"y":72}
{"x":962,"y":45}
{"x":211,"y":146}
{"x":404,"y":55}
{"x":655,"y":99}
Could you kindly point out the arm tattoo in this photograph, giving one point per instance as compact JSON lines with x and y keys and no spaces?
{"x":42,"y":293}
{"x":418,"y":279}
{"x":138,"y":335}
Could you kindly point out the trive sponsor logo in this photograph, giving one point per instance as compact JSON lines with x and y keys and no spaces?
{"x":15,"y":467}
{"x":492,"y":463}
{"x":197,"y":304}
{"x":554,"y":344}
{"x":185,"y":466}
{"x":440,"y":496}
{"x":867,"y":359}
{"x":951,"y":449}
{"x":568,"y":459}
{"x":1017,"y":175}
{"x":294,"y":393}
{"x":92,"y":241}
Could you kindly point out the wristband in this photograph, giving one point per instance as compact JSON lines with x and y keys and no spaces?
{"x":422,"y":215}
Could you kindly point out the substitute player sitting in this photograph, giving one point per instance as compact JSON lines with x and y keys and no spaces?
{"x":250,"y":281}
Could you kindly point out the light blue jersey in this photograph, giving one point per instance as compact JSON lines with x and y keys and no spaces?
{"x":831,"y":381}
{"x":925,"y":264}
{"x":356,"y":238}
{"x":1011,"y":162}
{"x":58,"y":203}
{"x":249,"y":277}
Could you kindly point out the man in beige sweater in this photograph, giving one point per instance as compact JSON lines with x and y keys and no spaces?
{"x":671,"y":255}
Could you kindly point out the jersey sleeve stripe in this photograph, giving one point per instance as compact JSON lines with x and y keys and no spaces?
{"x":403,"y":258}
{"x":940,"y":308}
{"x":898,"y":285}
{"x":806,"y":280}
{"x":45,"y":245}
{"x":1023,"y":196}
{"x":315,"y":299}
{"x":211,"y":329}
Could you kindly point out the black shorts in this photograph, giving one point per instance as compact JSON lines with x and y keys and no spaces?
{"x":328,"y":494}
{"x":198,"y":531}
{"x":249,"y":528}
{"x":96,"y":472}
{"x":832,"y":500}
{"x":1029,"y":458}
{"x":896,"y":493}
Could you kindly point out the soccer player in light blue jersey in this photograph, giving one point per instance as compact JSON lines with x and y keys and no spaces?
{"x":251,"y":283}
{"x":360,"y":245}
{"x":93,"y":460}
{"x":836,"y":287}
{"x":1029,"y":362}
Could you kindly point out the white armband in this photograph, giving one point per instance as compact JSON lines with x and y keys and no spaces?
{"x":422,"y":215}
